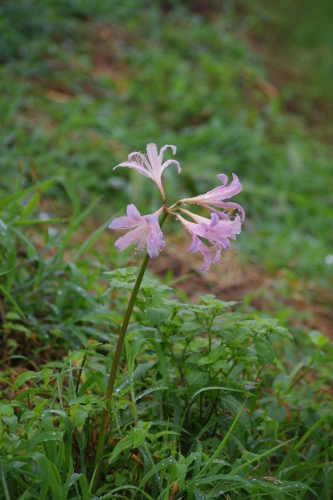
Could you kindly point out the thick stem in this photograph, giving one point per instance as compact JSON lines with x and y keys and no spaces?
{"x":114,"y":366}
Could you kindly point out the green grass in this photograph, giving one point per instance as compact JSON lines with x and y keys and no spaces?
{"x":86,"y":91}
{"x":213,"y":400}
{"x":203,"y":405}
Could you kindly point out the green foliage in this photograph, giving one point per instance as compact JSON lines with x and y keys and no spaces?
{"x":209,"y":403}
{"x":85,"y":83}
{"x":192,"y":411}
{"x":49,"y":298}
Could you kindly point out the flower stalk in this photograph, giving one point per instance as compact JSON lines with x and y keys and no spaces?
{"x":105,"y":419}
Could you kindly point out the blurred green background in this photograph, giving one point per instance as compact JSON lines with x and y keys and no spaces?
{"x":236,"y":87}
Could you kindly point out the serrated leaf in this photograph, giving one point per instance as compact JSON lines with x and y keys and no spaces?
{"x":191,"y":328}
{"x":194,"y":358}
{"x":221,"y":364}
{"x":197,"y":379}
{"x":204,"y":361}
{"x":265,"y":352}
{"x":216,"y":353}
{"x":157,"y":315}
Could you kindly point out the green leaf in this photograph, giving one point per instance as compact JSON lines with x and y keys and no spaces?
{"x":10,"y":298}
{"x":139,"y":436}
{"x":11,"y":422}
{"x":317,"y":338}
{"x":142,"y":369}
{"x":310,"y":431}
{"x":124,"y":444}
{"x":197,"y":379}
{"x":265,"y":352}
{"x":80,"y":418}
{"x":166,"y":462}
{"x":49,"y":436}
{"x":42,"y":186}
{"x":24,"y":377}
{"x":91,"y":240}
{"x":157,"y":315}
{"x":6,"y":410}
{"x":4,"y":483}
{"x":204,"y":361}
{"x":192,"y":328}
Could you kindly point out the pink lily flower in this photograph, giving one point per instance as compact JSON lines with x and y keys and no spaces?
{"x":145,"y":231}
{"x":152,"y":166}
{"x":215,"y":231}
{"x":216,"y":197}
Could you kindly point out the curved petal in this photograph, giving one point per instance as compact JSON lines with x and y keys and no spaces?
{"x":217,"y":255}
{"x":223,"y":178}
{"x":224,"y":192}
{"x":136,"y":166}
{"x":236,"y":225}
{"x":174,"y":151}
{"x":139,"y":156}
{"x":214,"y":220}
{"x":168,"y":162}
{"x":195,"y":244}
{"x":230,"y":204}
{"x":222,"y":215}
{"x":207,"y":258}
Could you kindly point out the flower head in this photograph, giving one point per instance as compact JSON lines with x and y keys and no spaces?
{"x":152,"y":165}
{"x":145,"y":230}
{"x":216,"y":197}
{"x":215,"y":231}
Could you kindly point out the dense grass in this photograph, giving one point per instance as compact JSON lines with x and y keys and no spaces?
{"x":187,"y":372}
{"x":210,"y":402}
{"x":82,"y":89}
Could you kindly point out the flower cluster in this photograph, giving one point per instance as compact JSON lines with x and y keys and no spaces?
{"x":209,"y":236}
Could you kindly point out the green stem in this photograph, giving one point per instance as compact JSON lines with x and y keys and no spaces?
{"x":114,"y":367}
{"x":209,"y":334}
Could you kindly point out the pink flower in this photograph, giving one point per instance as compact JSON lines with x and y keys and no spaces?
{"x":215,"y":231}
{"x":152,"y":166}
{"x":217,"y":196}
{"x":145,"y":231}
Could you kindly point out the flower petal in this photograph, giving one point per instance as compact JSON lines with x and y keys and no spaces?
{"x":168,"y":162}
{"x":230,"y":204}
{"x":207,"y":258}
{"x":223,"y":178}
{"x":174,"y":150}
{"x":130,"y":238}
{"x":132,"y":220}
{"x":155,"y":240}
{"x":195,"y":244}
{"x":133,"y":212}
{"x":154,"y":160}
{"x":136,"y":166}
{"x":214,"y":220}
